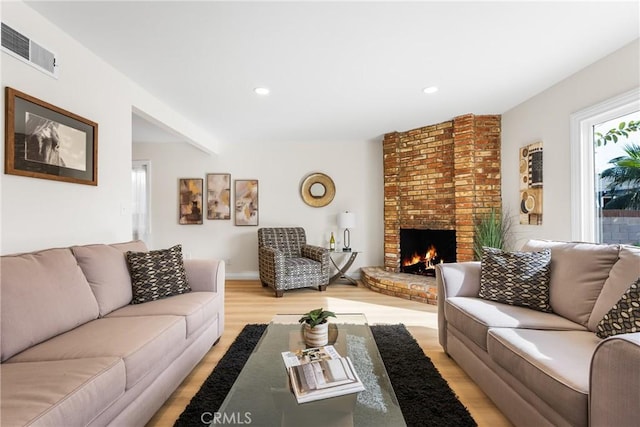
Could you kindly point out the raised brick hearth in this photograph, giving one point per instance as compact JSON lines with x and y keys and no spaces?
{"x":438,"y":177}
{"x":407,"y":286}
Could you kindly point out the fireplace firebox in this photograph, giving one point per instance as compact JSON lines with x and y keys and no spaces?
{"x":421,"y":250}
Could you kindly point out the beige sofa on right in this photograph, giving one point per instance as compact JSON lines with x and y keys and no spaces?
{"x":549,"y":368}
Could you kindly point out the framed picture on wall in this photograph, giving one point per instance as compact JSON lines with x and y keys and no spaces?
{"x":45,"y":141}
{"x":190,"y":201}
{"x":218,"y":196}
{"x":531,"y":184}
{"x":246,"y":202}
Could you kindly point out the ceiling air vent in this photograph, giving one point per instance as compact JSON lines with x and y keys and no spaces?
{"x":19,"y":46}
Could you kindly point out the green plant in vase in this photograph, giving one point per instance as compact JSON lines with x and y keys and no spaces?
{"x":316,"y":317}
{"x":491,"y":230}
{"x":316,"y":327}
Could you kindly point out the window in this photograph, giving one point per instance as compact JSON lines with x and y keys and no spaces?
{"x":141,"y":206}
{"x":617,"y":173}
{"x":592,"y":219}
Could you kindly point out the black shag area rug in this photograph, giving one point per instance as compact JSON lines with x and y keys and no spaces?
{"x":424,"y":396}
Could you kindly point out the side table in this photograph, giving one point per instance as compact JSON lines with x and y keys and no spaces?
{"x":342,"y":270}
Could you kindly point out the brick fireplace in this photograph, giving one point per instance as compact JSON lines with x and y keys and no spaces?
{"x":438,"y":177}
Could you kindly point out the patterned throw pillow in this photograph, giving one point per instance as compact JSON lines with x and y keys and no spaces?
{"x":624,"y":316}
{"x":157,"y":274}
{"x":516,"y":278}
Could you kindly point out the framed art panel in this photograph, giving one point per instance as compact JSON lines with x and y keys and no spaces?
{"x":190,"y":201}
{"x":246,"y":192}
{"x":531,"y":184}
{"x":218,"y":196}
{"x":44,"y":141}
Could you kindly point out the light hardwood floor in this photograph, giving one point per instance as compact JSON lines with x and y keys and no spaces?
{"x":248,"y":302}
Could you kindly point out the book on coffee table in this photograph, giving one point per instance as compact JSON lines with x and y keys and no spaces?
{"x":320,"y":373}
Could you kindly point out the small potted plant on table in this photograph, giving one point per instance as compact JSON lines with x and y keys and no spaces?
{"x":316,"y":327}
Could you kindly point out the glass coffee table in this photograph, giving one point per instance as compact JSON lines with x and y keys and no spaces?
{"x":261,"y":393}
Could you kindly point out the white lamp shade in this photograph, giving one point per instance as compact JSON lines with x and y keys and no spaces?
{"x":346,"y":220}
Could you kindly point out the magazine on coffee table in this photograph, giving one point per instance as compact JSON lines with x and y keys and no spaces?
{"x":320,"y":373}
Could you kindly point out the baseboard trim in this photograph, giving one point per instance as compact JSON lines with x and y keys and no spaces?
{"x":254,"y":275}
{"x":242,"y":275}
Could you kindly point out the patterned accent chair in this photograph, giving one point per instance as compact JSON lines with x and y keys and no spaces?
{"x":287,"y":262}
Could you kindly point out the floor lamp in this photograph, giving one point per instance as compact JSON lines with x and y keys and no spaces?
{"x":346,"y":220}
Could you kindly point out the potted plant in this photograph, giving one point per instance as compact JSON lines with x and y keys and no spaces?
{"x":316,"y":327}
{"x":492,"y":230}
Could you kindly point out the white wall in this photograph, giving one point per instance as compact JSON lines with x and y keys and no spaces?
{"x":38,"y":213}
{"x":355,"y":167}
{"x":545,"y":117}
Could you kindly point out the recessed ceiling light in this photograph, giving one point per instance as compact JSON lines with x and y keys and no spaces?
{"x":430,"y":89}
{"x":261,"y":91}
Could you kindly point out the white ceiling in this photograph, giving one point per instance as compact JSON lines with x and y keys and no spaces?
{"x":343,"y":71}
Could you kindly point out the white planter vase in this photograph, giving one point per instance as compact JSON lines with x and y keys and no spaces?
{"x":316,"y":336}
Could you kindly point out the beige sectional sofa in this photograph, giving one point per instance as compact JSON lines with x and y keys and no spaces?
{"x":549,"y":368}
{"x":76,"y":353}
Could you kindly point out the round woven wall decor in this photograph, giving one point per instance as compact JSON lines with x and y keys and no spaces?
{"x":317,"y":190}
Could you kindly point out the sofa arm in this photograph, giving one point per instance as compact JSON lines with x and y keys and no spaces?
{"x":271,"y":266}
{"x":320,"y":254}
{"x":205,"y":275}
{"x":614,"y":391}
{"x":457,"y":279}
{"x":316,"y":253}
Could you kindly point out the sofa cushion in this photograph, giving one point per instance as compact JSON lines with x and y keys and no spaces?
{"x":302,"y":267}
{"x":516,"y":278}
{"x":105,"y":267}
{"x":60,"y":392}
{"x":625,"y":271}
{"x":578,"y":273}
{"x":552,"y":364}
{"x":474,"y":316}
{"x":144,"y":343}
{"x":198,"y":308}
{"x":624,"y":316}
{"x":157,"y":274}
{"x":43,"y":294}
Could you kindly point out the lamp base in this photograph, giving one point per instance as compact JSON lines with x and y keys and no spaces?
{"x":347,"y":241}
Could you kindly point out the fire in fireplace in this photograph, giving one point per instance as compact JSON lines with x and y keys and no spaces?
{"x":421,"y":250}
